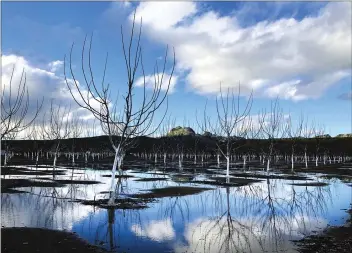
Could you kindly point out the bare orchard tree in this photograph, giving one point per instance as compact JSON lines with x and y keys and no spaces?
{"x":271,"y":125}
{"x":231,"y":122}
{"x":318,"y":133}
{"x":294,"y":133}
{"x":133,"y":119}
{"x":56,"y":126}
{"x":15,"y":114}
{"x":76,"y":129}
{"x":307,"y":132}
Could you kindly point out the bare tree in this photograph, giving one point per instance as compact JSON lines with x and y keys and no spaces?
{"x":272,"y":127}
{"x":231,"y":122}
{"x":318,"y":132}
{"x":76,"y":130}
{"x":133,"y":119}
{"x":307,"y":132}
{"x":15,"y":110}
{"x":294,"y":133}
{"x":15,"y":107}
{"x":56,"y":126}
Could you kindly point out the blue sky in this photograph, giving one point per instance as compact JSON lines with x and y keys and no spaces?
{"x":299,"y":51}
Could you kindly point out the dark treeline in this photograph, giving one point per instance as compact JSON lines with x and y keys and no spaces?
{"x":190,"y":145}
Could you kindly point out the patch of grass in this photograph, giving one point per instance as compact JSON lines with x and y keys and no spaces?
{"x":173,"y":191}
{"x":310,"y":184}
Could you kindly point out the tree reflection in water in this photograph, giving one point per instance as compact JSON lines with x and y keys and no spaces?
{"x":263,"y":216}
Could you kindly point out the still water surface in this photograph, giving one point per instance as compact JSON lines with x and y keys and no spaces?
{"x":261,"y":217}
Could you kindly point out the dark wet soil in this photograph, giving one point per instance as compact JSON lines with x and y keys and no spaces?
{"x":343,"y":178}
{"x":151,"y":179}
{"x":271,"y":176}
{"x":28,"y":240}
{"x":331,"y":240}
{"x":68,"y":181}
{"x":310,"y":184}
{"x":125,"y":203}
{"x":15,"y":171}
{"x":118,"y":176}
{"x":173,"y":191}
{"x":7,"y":184}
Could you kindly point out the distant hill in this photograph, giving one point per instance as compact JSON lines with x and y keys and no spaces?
{"x":323,"y":136}
{"x":343,"y":135}
{"x":179,"y":131}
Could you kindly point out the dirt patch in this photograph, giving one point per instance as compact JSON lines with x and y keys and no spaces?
{"x":151,"y":179}
{"x":271,"y":176}
{"x":310,"y":184}
{"x":31,"y":240}
{"x":125,"y":203}
{"x":67,"y":181}
{"x":335,"y":170}
{"x":12,"y":191}
{"x":332,"y":239}
{"x":118,"y":176}
{"x":15,"y":183}
{"x":173,"y":191}
{"x":15,"y":171}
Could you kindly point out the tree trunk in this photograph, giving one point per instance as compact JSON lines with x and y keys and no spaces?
{"x":112,"y":186}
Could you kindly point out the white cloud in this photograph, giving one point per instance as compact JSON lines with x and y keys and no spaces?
{"x":55,"y":65}
{"x":158,"y":80}
{"x":156,"y":230}
{"x":41,"y":84}
{"x":294,"y":59}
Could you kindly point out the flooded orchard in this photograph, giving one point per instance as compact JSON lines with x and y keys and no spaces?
{"x":167,"y":209}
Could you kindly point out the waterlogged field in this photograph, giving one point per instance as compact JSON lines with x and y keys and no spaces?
{"x":163,"y":209}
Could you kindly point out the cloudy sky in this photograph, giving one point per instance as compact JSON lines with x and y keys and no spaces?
{"x":299,"y":51}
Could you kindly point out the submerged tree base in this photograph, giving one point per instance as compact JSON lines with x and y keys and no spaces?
{"x":31,"y":240}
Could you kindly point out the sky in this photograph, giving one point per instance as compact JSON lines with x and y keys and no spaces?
{"x":297,"y":51}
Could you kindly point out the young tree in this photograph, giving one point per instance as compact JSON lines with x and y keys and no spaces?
{"x":272,"y":127}
{"x":231,"y":118}
{"x":294,"y":133}
{"x":307,"y":132}
{"x":16,"y":114}
{"x":133,"y":119}
{"x":56,"y":127}
{"x":76,"y":130}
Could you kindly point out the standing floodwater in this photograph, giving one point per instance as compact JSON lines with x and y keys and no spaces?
{"x":173,"y":216}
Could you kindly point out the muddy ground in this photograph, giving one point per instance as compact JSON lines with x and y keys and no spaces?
{"x":331,"y":240}
{"x":28,"y":240}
